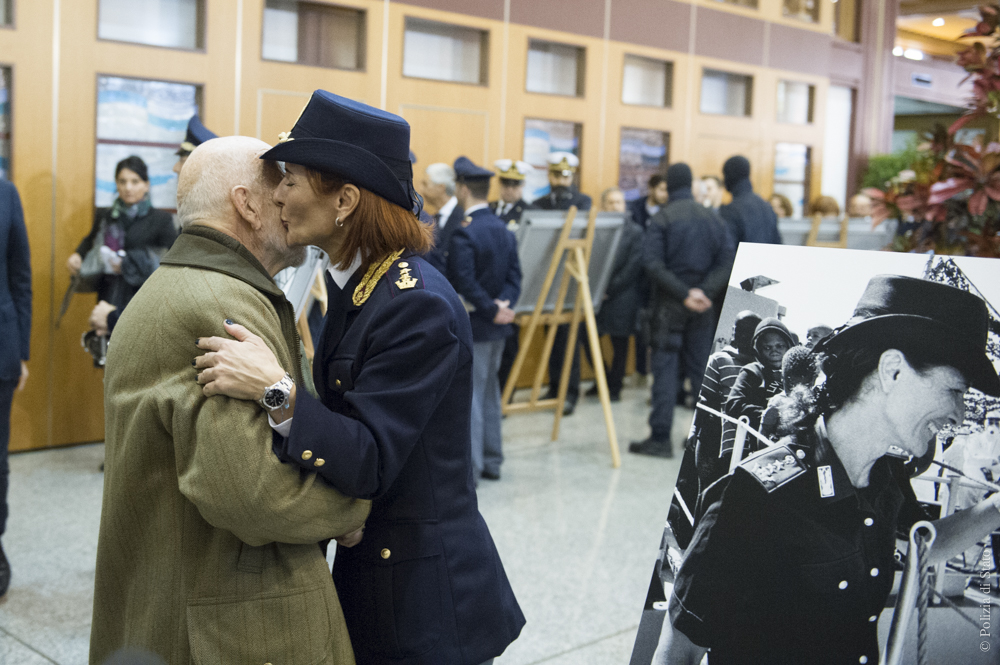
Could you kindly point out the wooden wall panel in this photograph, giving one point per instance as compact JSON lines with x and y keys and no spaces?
{"x":53,"y":159}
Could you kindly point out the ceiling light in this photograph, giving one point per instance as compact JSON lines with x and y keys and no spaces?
{"x":897,"y":51}
{"x":913,"y":54}
{"x":938,"y":22}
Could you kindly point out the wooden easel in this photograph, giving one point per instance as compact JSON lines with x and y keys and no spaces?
{"x":577,"y":253}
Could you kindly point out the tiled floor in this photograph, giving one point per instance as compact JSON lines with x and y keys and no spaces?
{"x":578,"y":539}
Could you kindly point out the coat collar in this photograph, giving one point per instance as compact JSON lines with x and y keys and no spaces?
{"x":205,"y":248}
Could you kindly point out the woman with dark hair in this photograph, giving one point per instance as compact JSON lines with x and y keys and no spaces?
{"x":132,"y":236}
{"x":793,"y":560}
{"x":423,"y":584}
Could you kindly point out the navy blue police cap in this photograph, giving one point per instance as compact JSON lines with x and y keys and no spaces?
{"x":466,"y":170}
{"x":362,"y":144}
{"x":197,"y":134}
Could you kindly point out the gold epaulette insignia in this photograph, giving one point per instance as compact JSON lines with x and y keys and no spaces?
{"x":467,"y":221}
{"x":374,"y":273}
{"x":774,"y":466}
{"x":406,"y":280}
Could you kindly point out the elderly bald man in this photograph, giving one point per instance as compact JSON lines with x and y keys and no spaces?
{"x":208,"y":544}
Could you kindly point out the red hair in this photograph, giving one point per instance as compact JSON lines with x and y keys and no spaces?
{"x":376,"y":228}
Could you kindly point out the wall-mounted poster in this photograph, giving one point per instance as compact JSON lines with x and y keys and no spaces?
{"x":144,"y":118}
{"x":643,"y":153}
{"x":855,"y":396}
{"x":540,"y":138}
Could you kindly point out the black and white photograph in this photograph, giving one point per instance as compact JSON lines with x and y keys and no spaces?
{"x":852,"y":399}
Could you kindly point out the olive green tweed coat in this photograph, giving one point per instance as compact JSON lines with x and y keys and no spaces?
{"x":208,"y":544}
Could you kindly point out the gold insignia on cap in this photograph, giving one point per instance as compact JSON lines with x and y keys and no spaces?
{"x":285,"y":137}
{"x":187,"y":146}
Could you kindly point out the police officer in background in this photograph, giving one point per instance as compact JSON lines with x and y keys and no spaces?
{"x":197,"y":134}
{"x":511,"y":205}
{"x":484,"y":269}
{"x":562,"y":194}
{"x":562,"y":168}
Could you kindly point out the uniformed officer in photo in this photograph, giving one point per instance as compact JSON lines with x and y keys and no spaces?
{"x":793,"y":560}
{"x":563,"y":195}
{"x":511,"y":204}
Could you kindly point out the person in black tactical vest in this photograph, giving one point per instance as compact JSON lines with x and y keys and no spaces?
{"x":484,"y":269}
{"x":688,"y":255}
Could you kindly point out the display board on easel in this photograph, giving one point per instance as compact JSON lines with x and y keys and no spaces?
{"x":572,"y":259}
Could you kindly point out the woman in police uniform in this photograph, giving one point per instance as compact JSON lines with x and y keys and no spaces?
{"x":423,"y":585}
{"x":793,"y":561}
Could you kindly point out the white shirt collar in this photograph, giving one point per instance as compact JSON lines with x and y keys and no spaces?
{"x":445,"y":211}
{"x":341,"y":276}
{"x":651,"y":208}
{"x":478,"y":206}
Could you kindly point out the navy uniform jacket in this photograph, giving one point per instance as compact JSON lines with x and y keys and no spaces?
{"x":512,"y":215}
{"x":563,"y":200}
{"x":394,"y":376}
{"x":15,"y":284}
{"x":779,"y":573}
{"x":438,"y":256}
{"x":483,"y":267}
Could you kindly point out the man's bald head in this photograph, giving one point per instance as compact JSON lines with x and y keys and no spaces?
{"x":224,"y":185}
{"x":213,"y":169}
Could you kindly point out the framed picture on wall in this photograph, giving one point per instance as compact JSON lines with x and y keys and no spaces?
{"x":144,"y":118}
{"x":540,"y":138}
{"x":643,"y":153}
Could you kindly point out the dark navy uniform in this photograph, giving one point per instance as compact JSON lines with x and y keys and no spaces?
{"x":483,"y":266}
{"x":792,"y":563}
{"x":511,"y":215}
{"x":444,"y":229}
{"x":563,"y":199}
{"x":425,"y":586}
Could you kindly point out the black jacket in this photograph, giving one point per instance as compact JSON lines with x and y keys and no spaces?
{"x":619,"y":313}
{"x":512,"y":215}
{"x":686,"y":246}
{"x":563,"y":199}
{"x":146,"y":240}
{"x":640,"y":215}
{"x":750,"y":218}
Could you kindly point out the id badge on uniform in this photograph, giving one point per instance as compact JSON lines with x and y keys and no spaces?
{"x":825,"y":475}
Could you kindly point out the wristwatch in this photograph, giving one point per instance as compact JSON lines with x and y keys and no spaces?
{"x":276,"y":396}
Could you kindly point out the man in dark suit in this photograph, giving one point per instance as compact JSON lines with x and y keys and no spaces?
{"x":510,"y":206}
{"x":643,"y":209}
{"x":562,"y":168}
{"x":438,"y":190}
{"x":484,"y":269}
{"x":15,"y":330}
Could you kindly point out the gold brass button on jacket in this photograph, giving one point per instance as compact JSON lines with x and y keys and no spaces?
{"x":208,"y":544}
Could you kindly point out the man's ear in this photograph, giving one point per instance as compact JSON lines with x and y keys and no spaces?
{"x":246,"y":206}
{"x":891,"y":365}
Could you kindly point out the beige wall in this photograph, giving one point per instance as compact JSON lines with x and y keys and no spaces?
{"x":53,"y":144}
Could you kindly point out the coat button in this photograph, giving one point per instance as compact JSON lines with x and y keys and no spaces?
{"x":872,"y":619}
{"x":337,"y":383}
{"x":869,"y":521}
{"x":843,"y":584}
{"x":386,"y":553}
{"x":863,"y":660}
{"x":307,"y":454}
{"x":874,"y":572}
{"x":319,"y":461}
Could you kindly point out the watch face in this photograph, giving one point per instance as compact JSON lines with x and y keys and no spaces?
{"x":274,"y":398}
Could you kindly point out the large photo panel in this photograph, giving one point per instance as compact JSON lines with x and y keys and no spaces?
{"x":847,"y":398}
